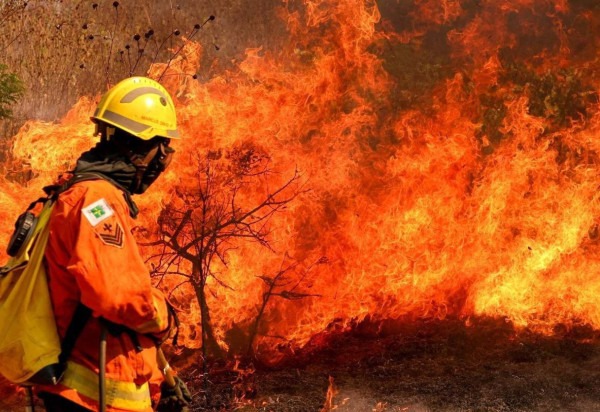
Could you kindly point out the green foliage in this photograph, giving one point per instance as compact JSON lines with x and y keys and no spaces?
{"x":560,"y":96}
{"x":11,"y":89}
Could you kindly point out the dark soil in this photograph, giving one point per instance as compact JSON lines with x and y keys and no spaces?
{"x":416,"y":367}
{"x":430,"y":366}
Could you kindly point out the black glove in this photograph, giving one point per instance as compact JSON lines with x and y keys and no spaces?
{"x":174,"y":399}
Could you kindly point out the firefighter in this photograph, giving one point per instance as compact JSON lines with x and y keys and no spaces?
{"x":93,"y":260}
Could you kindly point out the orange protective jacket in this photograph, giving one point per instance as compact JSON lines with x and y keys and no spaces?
{"x":92,"y":258}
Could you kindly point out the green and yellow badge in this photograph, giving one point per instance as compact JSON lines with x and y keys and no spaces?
{"x":97,"y":212}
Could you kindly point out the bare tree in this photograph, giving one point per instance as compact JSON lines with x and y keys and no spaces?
{"x":206,"y":220}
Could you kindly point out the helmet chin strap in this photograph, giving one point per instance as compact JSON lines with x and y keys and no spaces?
{"x":141,"y":163}
{"x":156,"y":166}
{"x":105,"y":131}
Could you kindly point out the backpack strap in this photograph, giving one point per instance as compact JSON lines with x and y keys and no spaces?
{"x":80,"y":317}
{"x":53,"y":191}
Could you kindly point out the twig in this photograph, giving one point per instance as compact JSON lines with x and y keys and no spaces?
{"x":195,"y":30}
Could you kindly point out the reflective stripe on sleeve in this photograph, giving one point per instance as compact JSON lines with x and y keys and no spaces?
{"x":152,"y":326}
{"x":121,"y":395}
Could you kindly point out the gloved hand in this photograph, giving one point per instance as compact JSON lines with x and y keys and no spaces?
{"x":174,"y":399}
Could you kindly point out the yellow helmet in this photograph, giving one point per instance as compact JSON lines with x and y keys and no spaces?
{"x":141,"y":107}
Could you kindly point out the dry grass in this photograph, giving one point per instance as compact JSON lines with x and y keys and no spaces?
{"x":64,"y":50}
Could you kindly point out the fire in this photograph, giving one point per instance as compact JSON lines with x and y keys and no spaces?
{"x":331,"y":392}
{"x":461,"y":186}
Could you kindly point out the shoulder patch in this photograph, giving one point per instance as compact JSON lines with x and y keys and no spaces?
{"x":111,"y":234}
{"x":97,"y":212}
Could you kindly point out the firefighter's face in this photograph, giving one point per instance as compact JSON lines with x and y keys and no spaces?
{"x":161,"y":155}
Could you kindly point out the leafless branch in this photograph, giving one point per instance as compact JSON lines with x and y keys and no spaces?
{"x":274,"y":288}
{"x":211,"y":218}
{"x":180,"y":284}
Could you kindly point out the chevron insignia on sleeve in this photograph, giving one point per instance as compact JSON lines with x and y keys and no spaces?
{"x":112,"y":234}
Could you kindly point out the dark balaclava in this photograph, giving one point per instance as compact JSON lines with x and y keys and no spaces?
{"x":131,"y":162}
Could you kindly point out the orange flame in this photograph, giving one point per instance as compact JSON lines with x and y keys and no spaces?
{"x":331,"y":392}
{"x":445,"y":205}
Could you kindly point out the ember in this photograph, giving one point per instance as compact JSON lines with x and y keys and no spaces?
{"x":331,"y":392}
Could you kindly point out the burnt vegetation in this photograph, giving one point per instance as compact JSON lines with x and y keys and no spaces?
{"x":204,"y":221}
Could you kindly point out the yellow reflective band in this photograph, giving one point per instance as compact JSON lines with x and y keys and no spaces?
{"x":159,"y":323}
{"x":152,"y":326}
{"x":173,"y":134}
{"x":135,"y":93}
{"x":121,"y":395}
{"x":122,"y":121}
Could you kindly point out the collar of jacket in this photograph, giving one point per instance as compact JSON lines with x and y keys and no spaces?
{"x":113,"y":168}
